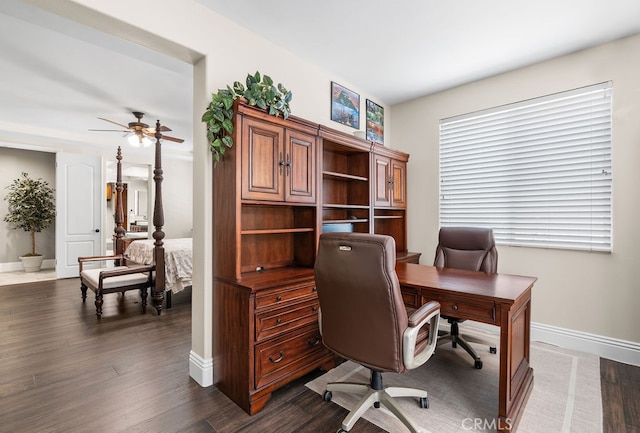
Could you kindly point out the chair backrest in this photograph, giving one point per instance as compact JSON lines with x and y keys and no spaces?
{"x":471,"y":248}
{"x":363,"y":316}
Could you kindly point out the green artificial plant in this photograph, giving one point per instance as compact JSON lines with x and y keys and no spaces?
{"x":259,"y":92}
{"x":32,"y":206}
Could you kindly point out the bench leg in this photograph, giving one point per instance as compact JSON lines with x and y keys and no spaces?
{"x":143,"y":295}
{"x":99,"y":303}
{"x":83,"y":289}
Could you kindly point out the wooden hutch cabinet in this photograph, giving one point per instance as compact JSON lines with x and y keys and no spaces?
{"x":275,"y":190}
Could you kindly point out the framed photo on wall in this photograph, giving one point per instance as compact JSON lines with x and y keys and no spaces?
{"x":375,"y":122}
{"x":345,"y":106}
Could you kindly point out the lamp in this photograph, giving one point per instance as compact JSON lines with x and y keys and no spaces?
{"x":138,"y":139}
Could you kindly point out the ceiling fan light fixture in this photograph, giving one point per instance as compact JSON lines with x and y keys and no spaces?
{"x":139,"y":140}
{"x":134,"y":140}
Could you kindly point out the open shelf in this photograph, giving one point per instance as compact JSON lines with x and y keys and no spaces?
{"x":343,"y":176}
{"x":274,"y":231}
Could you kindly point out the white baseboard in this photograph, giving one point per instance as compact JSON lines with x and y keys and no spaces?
{"x":605,"y":347}
{"x":200,"y":369}
{"x":624,"y":351}
{"x":17,"y":266}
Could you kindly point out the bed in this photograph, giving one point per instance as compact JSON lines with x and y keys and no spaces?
{"x":172,"y":258}
{"x":178,"y":260}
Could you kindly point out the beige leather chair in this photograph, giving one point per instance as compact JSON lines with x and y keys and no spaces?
{"x":470,"y":248}
{"x":363,"y":318}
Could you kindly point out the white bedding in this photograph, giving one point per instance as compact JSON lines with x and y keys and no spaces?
{"x":177,"y":257}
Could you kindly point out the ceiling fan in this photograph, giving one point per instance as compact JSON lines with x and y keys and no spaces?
{"x":138,"y":132}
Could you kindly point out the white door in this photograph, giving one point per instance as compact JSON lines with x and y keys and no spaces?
{"x":79,"y":197}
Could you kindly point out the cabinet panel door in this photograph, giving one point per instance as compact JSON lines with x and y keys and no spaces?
{"x":262,"y":161}
{"x":300,"y":162}
{"x":382,"y":193}
{"x":398,"y":183}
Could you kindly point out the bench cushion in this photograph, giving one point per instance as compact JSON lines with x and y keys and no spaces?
{"x":91,"y":278}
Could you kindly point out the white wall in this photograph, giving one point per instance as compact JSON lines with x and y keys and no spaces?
{"x":589,"y":292}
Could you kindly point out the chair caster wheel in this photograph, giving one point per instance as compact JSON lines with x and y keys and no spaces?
{"x":424,"y":402}
{"x":327,"y":395}
{"x":478,"y":364}
{"x":493,"y":350}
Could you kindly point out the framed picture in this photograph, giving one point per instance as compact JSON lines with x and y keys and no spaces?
{"x":375,"y":122}
{"x":345,"y":106}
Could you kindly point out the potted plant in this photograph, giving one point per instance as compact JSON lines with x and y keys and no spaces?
{"x":32,"y":208}
{"x":260,"y":92}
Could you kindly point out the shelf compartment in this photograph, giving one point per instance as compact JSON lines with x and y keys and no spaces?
{"x":393,"y":223}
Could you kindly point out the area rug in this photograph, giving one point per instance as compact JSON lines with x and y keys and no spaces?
{"x":565,"y":398}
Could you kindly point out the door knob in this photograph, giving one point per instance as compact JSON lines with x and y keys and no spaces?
{"x":97,"y":230}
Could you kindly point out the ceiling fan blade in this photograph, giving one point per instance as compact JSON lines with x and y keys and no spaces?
{"x":166,"y":137}
{"x":177,"y":140}
{"x":115,"y":123}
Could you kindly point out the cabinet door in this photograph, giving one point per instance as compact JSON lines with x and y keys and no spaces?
{"x":398,"y":183}
{"x":382,"y":180}
{"x":262,"y":160}
{"x":300,"y":162}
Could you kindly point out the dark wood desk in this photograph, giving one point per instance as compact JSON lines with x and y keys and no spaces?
{"x":498,"y":299}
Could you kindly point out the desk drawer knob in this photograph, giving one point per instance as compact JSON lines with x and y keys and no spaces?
{"x":279,"y":298}
{"x":454,"y":307}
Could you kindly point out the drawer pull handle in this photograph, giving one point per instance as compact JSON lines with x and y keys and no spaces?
{"x":454,"y":307}
{"x":278,"y":321}
{"x":313,"y":341}
{"x":279,"y":298}
{"x":314,"y":309}
{"x":314,"y":288}
{"x":275,"y":361}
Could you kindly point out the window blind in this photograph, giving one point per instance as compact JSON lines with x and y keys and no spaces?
{"x":538,"y":172}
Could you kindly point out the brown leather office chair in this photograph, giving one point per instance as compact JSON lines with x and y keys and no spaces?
{"x":470,"y":248}
{"x":363,"y":318}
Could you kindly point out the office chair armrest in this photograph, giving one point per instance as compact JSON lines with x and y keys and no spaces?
{"x":428,"y":313}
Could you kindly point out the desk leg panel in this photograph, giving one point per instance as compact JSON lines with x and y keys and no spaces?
{"x":516,"y":374}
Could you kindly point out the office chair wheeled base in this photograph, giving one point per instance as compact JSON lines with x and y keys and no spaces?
{"x":374,"y":394}
{"x":456,"y":339}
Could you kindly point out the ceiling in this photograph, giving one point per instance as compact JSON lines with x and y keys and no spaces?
{"x":399,"y":50}
{"x":59,"y":76}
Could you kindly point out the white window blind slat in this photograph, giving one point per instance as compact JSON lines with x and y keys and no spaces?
{"x":538,"y":172}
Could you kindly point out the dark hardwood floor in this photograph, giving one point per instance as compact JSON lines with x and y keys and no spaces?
{"x":62,"y":370}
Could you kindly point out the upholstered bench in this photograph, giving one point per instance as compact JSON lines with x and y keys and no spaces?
{"x":116,"y":279}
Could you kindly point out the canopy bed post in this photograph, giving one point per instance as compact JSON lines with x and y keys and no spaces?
{"x":118,"y":242}
{"x":158,"y":221}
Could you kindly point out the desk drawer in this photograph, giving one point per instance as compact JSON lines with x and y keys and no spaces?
{"x":462,"y":308}
{"x":277,"y":359}
{"x":275,"y":322}
{"x":410,"y":298}
{"x":285,"y":295}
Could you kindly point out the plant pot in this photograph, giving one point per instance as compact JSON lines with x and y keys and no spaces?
{"x":32,"y":263}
